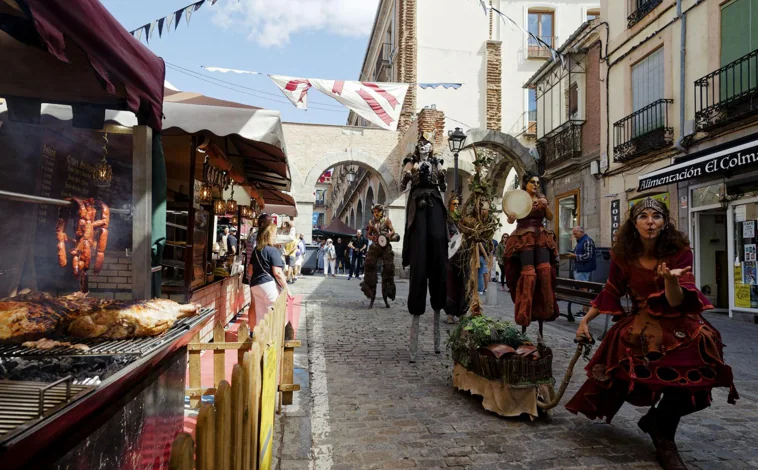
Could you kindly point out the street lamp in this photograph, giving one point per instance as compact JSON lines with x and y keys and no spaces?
{"x":350,"y":176}
{"x":455,"y":141}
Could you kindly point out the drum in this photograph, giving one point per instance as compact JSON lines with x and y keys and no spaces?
{"x":517,"y":202}
{"x":382,"y":241}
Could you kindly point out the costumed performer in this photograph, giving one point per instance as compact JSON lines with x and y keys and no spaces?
{"x":425,"y":243}
{"x":381,"y":232}
{"x":457,"y":303}
{"x":531,"y":255}
{"x":664,"y":351}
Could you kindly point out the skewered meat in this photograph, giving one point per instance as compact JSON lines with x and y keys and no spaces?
{"x":45,"y":343}
{"x":39,"y":315}
{"x":130,"y":319}
{"x":86,"y":229}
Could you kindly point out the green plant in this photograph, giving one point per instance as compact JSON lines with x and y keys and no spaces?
{"x":476,"y":331}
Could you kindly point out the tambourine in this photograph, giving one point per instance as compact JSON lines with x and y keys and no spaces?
{"x":382,"y":241}
{"x":517,"y":202}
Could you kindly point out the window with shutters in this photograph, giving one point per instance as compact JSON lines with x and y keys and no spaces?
{"x":647,"y":88}
{"x":541,"y":25}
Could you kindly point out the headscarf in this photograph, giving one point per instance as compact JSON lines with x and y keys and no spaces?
{"x":649,"y":203}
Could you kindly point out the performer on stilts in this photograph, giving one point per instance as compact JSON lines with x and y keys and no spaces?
{"x":381,"y":232}
{"x":425,"y":243}
{"x":531,"y":255}
{"x":664,"y":351}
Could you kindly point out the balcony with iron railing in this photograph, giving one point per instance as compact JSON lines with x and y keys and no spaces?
{"x":541,"y":49}
{"x":640,"y":8}
{"x":642,"y":131}
{"x":561,"y":144}
{"x":727,"y":94}
{"x":383,"y":63}
{"x":319,"y":203}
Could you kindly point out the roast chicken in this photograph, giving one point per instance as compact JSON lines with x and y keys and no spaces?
{"x":130,"y":319}
{"x":33,"y":316}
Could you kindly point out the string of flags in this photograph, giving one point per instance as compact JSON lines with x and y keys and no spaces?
{"x":164,"y":24}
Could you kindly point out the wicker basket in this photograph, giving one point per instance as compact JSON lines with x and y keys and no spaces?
{"x":514,"y":371}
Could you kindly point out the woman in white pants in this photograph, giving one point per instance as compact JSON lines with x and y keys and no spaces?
{"x":266,"y":274}
{"x":330,"y":259}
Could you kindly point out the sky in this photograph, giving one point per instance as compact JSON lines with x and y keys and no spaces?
{"x":302,"y":38}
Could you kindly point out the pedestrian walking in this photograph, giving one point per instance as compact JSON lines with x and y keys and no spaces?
{"x":266,"y":274}
{"x":320,"y":254}
{"x":340,"y":247}
{"x":500,"y":256}
{"x":359,"y":245}
{"x":330,"y":262}
{"x":584,"y":257}
{"x":664,"y":352}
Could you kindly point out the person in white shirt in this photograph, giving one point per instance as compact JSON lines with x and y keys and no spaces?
{"x":330,"y":259}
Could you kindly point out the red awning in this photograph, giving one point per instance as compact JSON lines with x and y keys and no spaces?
{"x":91,"y":59}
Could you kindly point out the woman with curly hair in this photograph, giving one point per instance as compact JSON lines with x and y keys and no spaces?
{"x":531,"y":255}
{"x":664,"y":351}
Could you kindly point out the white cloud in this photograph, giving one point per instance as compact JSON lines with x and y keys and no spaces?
{"x":272,"y":22}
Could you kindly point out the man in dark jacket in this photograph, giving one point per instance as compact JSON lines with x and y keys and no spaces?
{"x":339,"y":247}
{"x":583,"y":256}
{"x":359,"y":244}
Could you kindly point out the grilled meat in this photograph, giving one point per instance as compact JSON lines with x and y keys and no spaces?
{"x":37,"y":315}
{"x":130,"y":319}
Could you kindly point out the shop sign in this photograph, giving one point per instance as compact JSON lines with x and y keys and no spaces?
{"x":615,"y":218}
{"x":741,"y":291}
{"x":734,"y":159}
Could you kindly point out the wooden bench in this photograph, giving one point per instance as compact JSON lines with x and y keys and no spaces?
{"x":576,"y":292}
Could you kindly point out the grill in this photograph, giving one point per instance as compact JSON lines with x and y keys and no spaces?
{"x":137,"y":347}
{"x":24,"y":403}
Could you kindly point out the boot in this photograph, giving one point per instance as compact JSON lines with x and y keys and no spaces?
{"x":436,"y":331}
{"x":662,"y":431}
{"x":414,"y":338}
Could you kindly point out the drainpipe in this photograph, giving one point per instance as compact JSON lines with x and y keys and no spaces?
{"x":682,"y":70}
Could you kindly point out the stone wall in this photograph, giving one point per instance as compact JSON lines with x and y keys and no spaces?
{"x":115,"y":279}
{"x":407,"y":57}
{"x":494,"y":108}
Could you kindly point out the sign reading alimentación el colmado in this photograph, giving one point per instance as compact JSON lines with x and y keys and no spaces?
{"x":738,"y":158}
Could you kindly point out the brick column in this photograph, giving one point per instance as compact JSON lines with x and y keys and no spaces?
{"x":407,"y":58}
{"x":433,"y":120}
{"x":494,"y":110}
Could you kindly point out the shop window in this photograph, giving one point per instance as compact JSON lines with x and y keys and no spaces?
{"x":707,"y":195}
{"x":745,"y":217}
{"x":567,"y":217}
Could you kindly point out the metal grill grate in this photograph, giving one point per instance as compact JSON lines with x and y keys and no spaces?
{"x":23,"y":403}
{"x":97,"y":347}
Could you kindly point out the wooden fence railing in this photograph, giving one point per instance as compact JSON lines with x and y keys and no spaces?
{"x":236,"y":432}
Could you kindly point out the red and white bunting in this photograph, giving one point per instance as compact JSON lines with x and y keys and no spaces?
{"x":295,"y":89}
{"x":378,"y":103}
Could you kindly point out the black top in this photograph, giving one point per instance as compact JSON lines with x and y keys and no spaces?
{"x":359,"y":243}
{"x":231,"y":242}
{"x":263,"y":262}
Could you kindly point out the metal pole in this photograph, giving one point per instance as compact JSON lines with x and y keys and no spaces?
{"x":456,"y":187}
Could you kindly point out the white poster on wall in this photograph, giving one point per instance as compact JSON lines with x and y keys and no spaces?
{"x":748,"y":229}
{"x":740,"y":213}
{"x":750,"y":252}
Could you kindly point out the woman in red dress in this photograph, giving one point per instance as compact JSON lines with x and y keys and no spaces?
{"x":664,"y":352}
{"x":531,"y":255}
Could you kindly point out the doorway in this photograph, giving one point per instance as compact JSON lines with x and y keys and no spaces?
{"x":711,"y":258}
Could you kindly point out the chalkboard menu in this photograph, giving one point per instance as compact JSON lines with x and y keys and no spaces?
{"x":66,"y":168}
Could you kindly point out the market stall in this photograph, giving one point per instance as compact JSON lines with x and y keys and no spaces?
{"x":90,"y":370}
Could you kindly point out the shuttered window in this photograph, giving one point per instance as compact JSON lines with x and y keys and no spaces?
{"x":738,"y":38}
{"x":647,"y":87}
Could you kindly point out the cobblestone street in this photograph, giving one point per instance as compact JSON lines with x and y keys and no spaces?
{"x":364,"y":406}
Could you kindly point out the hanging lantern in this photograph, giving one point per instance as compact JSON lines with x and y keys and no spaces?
{"x":246,"y":212}
{"x":231,"y":204}
{"x":205,"y":195}
{"x":103,"y":171}
{"x":350,"y":176}
{"x":219,"y":207}
{"x":234,"y":220}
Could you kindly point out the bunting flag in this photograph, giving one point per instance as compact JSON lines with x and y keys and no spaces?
{"x":378,"y":103}
{"x":223,"y":70}
{"x":295,"y":89}
{"x":164,"y":24}
{"x":446,"y":86}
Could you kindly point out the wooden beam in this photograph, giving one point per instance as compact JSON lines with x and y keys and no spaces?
{"x":142,"y":199}
{"x":217,"y":346}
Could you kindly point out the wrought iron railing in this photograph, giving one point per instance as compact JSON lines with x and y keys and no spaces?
{"x":383,"y":62}
{"x":639,"y":9}
{"x":320,"y":203}
{"x":642,"y":131}
{"x":561,"y":144}
{"x":541,"y":49}
{"x":728,"y":93}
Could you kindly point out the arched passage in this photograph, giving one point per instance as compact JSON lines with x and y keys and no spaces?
{"x":359,"y":215}
{"x":382,"y":196}
{"x":369,"y":202}
{"x":352,"y":218}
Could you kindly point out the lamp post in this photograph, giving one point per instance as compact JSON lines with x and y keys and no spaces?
{"x":455,"y":141}
{"x":350,"y":176}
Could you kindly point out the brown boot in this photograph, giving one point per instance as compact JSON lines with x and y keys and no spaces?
{"x":524,"y":295}
{"x":662,"y":433}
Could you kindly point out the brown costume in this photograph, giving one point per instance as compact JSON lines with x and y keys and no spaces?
{"x":376,"y":252}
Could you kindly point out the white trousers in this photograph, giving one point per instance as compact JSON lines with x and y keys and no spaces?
{"x":264,"y":295}
{"x":330,"y":264}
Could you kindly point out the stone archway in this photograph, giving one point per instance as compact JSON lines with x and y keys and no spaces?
{"x":369,"y":200}
{"x":352,"y":218}
{"x":382,"y":196}
{"x":360,"y":220}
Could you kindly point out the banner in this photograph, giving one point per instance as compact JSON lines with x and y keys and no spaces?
{"x":378,"y":103}
{"x":174,"y":18}
{"x":295,"y":89}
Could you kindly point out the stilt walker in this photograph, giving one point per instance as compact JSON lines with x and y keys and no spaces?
{"x":381,"y":232}
{"x":425,"y":243}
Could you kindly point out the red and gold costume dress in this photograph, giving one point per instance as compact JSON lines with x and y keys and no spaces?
{"x":656,"y":347}
{"x":532,"y":285}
